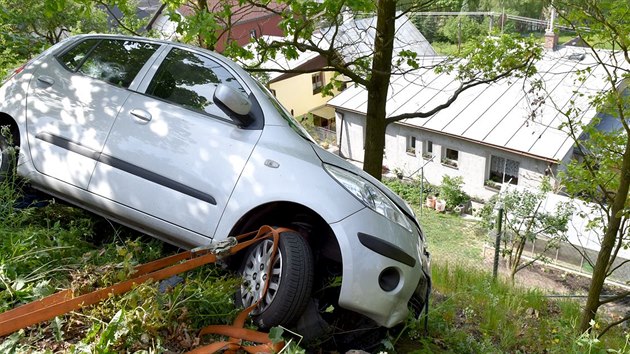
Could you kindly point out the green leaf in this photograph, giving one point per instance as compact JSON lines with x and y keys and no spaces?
{"x":275,"y":334}
{"x":9,"y":345}
{"x":57,"y":325}
{"x":108,"y":337}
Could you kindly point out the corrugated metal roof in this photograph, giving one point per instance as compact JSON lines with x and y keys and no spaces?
{"x":355,"y":38}
{"x":500,"y":113}
{"x":280,"y":62}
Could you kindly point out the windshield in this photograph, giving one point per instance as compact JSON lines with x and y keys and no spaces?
{"x":297,"y":127}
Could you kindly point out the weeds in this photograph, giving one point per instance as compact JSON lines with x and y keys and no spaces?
{"x":52,"y":247}
{"x":56,"y":246}
{"x":471,"y":313}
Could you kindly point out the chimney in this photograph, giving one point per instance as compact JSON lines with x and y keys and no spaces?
{"x":551,"y":38}
{"x":347,"y":15}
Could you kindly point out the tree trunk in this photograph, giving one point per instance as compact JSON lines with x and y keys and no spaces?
{"x":608,"y":243}
{"x":517,"y":258}
{"x":377,"y":88}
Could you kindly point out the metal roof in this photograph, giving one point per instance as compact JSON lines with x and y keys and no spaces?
{"x":280,"y":62}
{"x":498,"y":114}
{"x":354,"y":39}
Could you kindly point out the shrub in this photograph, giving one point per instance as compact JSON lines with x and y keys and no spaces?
{"x":410,"y":190}
{"x":451,"y":191}
{"x":470,"y":28}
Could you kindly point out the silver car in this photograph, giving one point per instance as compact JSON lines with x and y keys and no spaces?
{"x":182,"y":144}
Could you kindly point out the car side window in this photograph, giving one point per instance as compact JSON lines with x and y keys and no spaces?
{"x":189,"y":80}
{"x":73,"y":58}
{"x":114,"y":61}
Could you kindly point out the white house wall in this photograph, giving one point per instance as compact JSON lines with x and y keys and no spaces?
{"x":350,"y":135}
{"x":473,"y":160}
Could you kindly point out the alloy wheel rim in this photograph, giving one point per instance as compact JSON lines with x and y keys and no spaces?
{"x":255,"y":275}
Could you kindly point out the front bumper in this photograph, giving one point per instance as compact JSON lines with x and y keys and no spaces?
{"x":384,"y":265}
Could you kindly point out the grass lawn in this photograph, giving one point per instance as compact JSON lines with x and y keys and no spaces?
{"x":452,"y":239}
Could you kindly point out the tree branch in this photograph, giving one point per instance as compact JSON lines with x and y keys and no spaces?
{"x":463,"y":87}
{"x":611,"y":325}
{"x":614,"y":298}
{"x":330,"y":55}
{"x":122,"y":25}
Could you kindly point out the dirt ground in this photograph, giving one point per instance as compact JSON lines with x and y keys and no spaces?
{"x":566,"y":284}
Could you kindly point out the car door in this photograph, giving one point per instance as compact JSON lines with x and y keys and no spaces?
{"x":73,"y":100}
{"x":173,"y":153}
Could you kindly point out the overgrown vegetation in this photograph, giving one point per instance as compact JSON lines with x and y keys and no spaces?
{"x":56,"y":246}
{"x":471,"y":313}
{"x":43,"y":249}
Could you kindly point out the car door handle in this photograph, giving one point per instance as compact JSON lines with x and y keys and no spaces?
{"x":46,"y":80}
{"x":141,"y":115}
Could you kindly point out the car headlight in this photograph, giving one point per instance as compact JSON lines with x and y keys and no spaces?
{"x":369,"y":195}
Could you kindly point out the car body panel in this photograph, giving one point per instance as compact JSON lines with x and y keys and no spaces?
{"x":362,"y":267}
{"x":204,"y":155}
{"x":69,"y":116}
{"x":283,"y":168}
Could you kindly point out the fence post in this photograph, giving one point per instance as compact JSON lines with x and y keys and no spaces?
{"x":497,"y":241}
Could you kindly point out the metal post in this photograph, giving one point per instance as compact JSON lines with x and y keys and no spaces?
{"x":421,"y":170}
{"x":421,"y":189}
{"x":497,"y":242}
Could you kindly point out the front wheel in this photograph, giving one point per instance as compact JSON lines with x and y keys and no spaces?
{"x":290,"y":283}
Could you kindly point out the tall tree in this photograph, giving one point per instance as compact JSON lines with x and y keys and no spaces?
{"x":603,"y":174}
{"x":303,"y":22}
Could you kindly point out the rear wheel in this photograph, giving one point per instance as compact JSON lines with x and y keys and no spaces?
{"x":290,"y":280}
{"x":6,"y":158}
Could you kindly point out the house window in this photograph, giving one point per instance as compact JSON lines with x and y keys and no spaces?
{"x":428,"y":150}
{"x":273,"y":92}
{"x":411,"y":145}
{"x":252,"y":34}
{"x":318,"y":82}
{"x":451,"y":157}
{"x":503,"y":170}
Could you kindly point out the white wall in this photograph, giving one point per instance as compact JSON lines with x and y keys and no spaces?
{"x":474,"y":159}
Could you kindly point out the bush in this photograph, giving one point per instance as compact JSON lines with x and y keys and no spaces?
{"x":451,"y":191}
{"x":470,"y":28}
{"x":410,"y":190}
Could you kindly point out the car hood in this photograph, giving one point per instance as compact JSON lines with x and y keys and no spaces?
{"x":332,"y":159}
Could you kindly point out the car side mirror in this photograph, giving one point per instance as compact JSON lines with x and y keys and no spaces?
{"x":234,"y":103}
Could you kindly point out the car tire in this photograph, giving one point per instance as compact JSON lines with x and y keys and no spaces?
{"x":290,"y":284}
{"x":6,"y":155}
